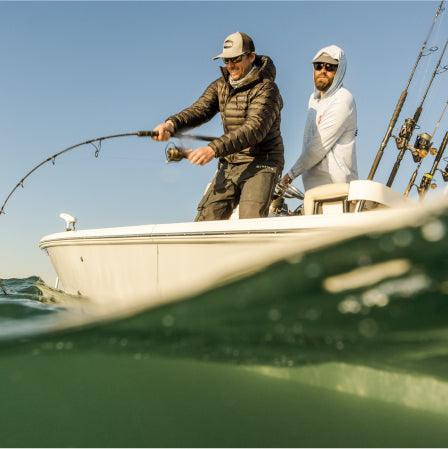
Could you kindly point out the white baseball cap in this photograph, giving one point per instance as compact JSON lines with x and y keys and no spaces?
{"x":236,"y":44}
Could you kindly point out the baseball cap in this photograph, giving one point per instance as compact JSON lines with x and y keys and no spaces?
{"x":325,"y":57}
{"x":236,"y":44}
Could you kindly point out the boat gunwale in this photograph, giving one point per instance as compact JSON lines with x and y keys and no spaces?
{"x":257,"y":226}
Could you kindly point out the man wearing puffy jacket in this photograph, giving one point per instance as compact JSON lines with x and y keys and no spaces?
{"x":328,"y":149}
{"x":250,"y":151}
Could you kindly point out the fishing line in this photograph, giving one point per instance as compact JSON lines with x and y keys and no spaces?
{"x":53,"y":158}
{"x":96,"y":143}
{"x":400,"y":103}
{"x":410,"y":124}
{"x":430,"y":52}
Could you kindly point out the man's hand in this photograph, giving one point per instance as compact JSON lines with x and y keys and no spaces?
{"x":286,"y":180}
{"x":165,"y":130}
{"x":202,"y":155}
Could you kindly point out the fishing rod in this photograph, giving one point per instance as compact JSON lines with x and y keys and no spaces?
{"x":427,"y":178}
{"x":98,"y":142}
{"x":420,"y":150}
{"x":410,"y":123}
{"x":401,"y":101}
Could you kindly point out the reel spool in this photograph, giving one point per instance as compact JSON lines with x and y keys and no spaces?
{"x":405,"y":133}
{"x":421,"y":147}
{"x":175,"y":153}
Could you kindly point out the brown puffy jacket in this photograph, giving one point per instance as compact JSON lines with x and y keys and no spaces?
{"x":250,"y":116}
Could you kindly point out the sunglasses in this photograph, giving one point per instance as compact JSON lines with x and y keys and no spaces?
{"x":328,"y":67}
{"x":234,"y":60}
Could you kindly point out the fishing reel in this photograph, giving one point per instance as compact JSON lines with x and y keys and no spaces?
{"x":444,"y":172}
{"x":278,"y":205}
{"x":422,"y":147}
{"x":425,"y":184}
{"x":405,"y":133}
{"x":175,"y":153}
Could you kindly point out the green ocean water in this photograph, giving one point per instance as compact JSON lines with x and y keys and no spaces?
{"x":346,"y":346}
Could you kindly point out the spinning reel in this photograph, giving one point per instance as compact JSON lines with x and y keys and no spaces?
{"x":175,"y":153}
{"x":279,"y":207}
{"x":406,"y":132}
{"x":422,"y":147}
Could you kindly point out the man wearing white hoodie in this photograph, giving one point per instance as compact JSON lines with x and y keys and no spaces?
{"x":328,"y":151}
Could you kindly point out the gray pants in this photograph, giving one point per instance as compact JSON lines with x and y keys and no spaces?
{"x":251,"y":185}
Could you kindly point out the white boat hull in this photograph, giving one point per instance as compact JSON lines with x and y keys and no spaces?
{"x":159,"y":263}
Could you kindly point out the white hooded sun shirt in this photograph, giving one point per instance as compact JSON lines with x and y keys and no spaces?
{"x":328,"y":151}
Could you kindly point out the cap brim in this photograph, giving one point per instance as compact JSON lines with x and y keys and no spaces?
{"x":326,"y":59}
{"x":229,"y":54}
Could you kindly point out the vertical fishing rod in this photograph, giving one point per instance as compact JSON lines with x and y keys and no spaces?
{"x":421,"y":147}
{"x":410,"y":123}
{"x":427,"y":177}
{"x":400,"y":103}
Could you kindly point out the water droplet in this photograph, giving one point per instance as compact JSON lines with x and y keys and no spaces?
{"x":375,"y":297}
{"x":274,"y":314}
{"x":312,"y":314}
{"x":433,"y":231}
{"x":295,"y":259}
{"x":368,"y":327}
{"x":168,"y":320}
{"x":349,"y":305}
{"x":313,"y":270}
{"x":402,"y":238}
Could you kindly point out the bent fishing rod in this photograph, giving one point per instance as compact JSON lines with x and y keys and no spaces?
{"x":409,"y":125}
{"x":97,"y":144}
{"x":421,"y":148}
{"x":401,"y":101}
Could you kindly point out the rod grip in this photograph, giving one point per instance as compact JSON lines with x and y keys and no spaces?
{"x":147,"y":133}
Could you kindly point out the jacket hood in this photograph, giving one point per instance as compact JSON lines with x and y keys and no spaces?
{"x":266,"y":69}
{"x":337,"y":53}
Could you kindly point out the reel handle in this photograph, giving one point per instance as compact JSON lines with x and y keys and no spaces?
{"x":289,"y":192}
{"x":176,"y":154}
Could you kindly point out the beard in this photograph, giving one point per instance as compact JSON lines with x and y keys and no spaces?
{"x":322,"y":84}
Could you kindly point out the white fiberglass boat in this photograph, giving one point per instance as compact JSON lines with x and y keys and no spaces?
{"x":161,"y":262}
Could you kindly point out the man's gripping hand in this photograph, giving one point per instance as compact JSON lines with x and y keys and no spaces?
{"x":202,"y":155}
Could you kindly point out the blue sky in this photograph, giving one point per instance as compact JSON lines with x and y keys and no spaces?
{"x":73,"y":71}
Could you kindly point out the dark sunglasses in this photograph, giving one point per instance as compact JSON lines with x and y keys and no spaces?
{"x":328,"y":67}
{"x":234,"y":60}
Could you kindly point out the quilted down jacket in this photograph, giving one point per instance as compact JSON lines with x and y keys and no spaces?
{"x":250,"y":115}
